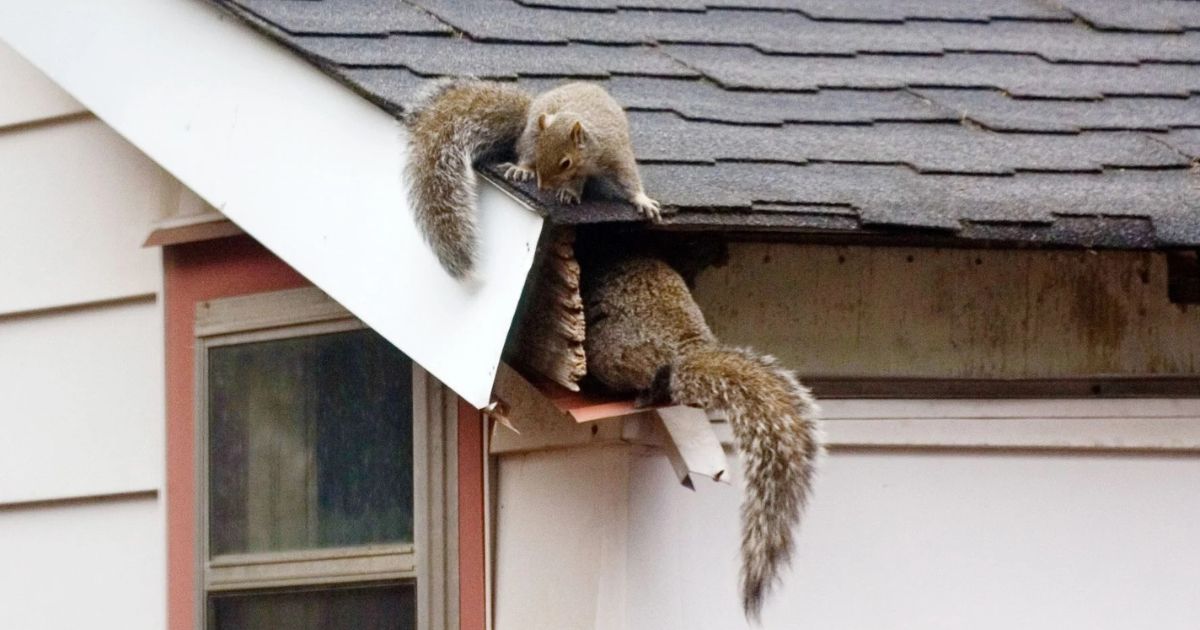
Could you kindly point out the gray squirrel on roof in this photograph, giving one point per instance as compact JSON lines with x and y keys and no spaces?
{"x":563,"y":137}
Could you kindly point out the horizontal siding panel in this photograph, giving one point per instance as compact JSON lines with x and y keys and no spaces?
{"x":914,"y":540}
{"x":81,"y":403}
{"x":1120,"y":408}
{"x":77,"y":202}
{"x":83,"y":565}
{"x":29,"y":95}
{"x":938,"y":540}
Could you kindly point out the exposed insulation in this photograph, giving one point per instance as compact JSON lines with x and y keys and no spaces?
{"x":548,"y":341}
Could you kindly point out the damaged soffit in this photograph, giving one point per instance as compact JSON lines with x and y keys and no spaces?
{"x":1071,"y":123}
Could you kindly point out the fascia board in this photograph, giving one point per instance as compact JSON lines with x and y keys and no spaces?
{"x":300,"y":162}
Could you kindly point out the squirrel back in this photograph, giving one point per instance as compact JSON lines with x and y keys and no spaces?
{"x":450,"y":126}
{"x":646,"y":334}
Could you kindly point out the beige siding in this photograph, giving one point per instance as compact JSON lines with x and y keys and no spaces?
{"x":852,"y":311}
{"x":935,"y":540}
{"x":82,"y":402}
{"x":28,"y":95}
{"x":97,"y":565}
{"x":893,"y":539}
{"x":575,"y":501}
{"x":81,"y":366}
{"x":78,"y":201}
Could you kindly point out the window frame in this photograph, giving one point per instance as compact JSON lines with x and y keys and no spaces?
{"x":431,"y":560}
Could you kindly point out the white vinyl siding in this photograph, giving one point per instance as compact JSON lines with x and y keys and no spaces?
{"x":934,"y":540}
{"x":86,"y":564}
{"x":925,"y":514}
{"x":77,"y":202}
{"x":81,"y":367}
{"x":81,"y":393}
{"x":29,"y":96}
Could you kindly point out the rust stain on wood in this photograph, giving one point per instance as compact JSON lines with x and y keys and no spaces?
{"x":856,"y":311}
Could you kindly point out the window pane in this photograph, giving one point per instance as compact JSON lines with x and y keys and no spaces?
{"x":310,"y":443}
{"x":386,"y":608}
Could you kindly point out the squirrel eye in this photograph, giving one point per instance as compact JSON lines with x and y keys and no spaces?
{"x":564,"y":164}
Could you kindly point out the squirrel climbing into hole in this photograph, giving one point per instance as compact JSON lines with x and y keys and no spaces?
{"x":563,"y":137}
{"x":646,"y":334}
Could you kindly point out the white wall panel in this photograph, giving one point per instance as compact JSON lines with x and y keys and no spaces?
{"x":98,"y":566}
{"x":81,"y":402}
{"x":930,"y":541}
{"x":893,"y":540}
{"x":28,"y":94}
{"x":560,"y":540}
{"x":76,"y":203}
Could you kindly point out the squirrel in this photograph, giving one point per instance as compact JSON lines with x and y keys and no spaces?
{"x":563,"y":137}
{"x":646,"y":334}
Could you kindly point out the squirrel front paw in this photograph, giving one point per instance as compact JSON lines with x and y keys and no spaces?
{"x":648,"y":207}
{"x":567,"y":196}
{"x":516,"y":172}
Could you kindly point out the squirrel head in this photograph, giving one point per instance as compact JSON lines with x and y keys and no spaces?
{"x":559,"y":150}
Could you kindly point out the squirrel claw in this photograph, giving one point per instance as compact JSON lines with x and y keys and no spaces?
{"x":516,"y":172}
{"x":567,"y":197}
{"x":648,"y":207}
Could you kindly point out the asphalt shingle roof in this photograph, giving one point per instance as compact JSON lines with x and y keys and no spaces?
{"x":1057,"y":122}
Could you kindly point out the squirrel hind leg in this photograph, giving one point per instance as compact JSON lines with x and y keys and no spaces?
{"x":659,"y":392}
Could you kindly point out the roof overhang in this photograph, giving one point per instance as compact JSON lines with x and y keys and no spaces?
{"x":295,"y":159}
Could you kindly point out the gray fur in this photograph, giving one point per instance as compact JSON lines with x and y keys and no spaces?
{"x":646,"y":334}
{"x":451,"y":124}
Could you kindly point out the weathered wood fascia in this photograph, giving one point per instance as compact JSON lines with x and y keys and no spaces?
{"x":1183,"y":277}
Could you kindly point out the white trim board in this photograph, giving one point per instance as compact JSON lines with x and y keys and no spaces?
{"x":1166,"y":425}
{"x":297,"y":160}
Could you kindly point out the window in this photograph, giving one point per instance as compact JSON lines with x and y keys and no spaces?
{"x":325,"y":460}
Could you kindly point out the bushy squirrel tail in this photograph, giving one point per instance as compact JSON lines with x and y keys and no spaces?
{"x":451,"y":125}
{"x":775,"y":424}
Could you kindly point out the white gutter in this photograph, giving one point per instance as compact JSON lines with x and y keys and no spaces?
{"x":300,"y":162}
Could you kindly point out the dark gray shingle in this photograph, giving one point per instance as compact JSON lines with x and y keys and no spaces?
{"x":701,"y":100}
{"x":1020,"y":75}
{"x":1068,"y":123}
{"x":843,"y":10}
{"x":346,"y":17}
{"x":792,"y":32}
{"x":927,"y":148}
{"x":995,"y":110}
{"x":457,"y":56}
{"x":1140,"y":15}
{"x":1187,"y":142}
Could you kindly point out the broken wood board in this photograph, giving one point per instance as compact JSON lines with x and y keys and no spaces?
{"x":536,"y":422}
{"x":551,"y":328}
{"x":527,"y":419}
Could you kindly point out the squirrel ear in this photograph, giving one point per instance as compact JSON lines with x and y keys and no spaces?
{"x":544,"y":121}
{"x":578,"y":134}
